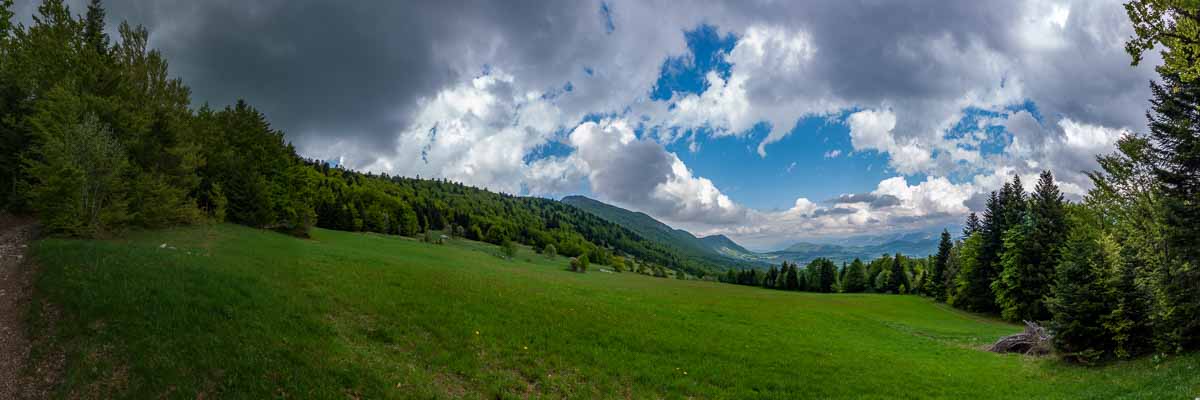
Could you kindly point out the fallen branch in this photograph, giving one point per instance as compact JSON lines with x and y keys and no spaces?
{"x":1033,"y":341}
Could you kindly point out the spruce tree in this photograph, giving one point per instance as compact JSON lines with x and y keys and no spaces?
{"x":1129,"y":323}
{"x":935,"y":283}
{"x":1016,"y":290}
{"x":972,"y":225}
{"x":1175,"y":133}
{"x":975,"y":283}
{"x":856,"y":277}
{"x":1080,"y":300}
{"x":826,"y":275}
{"x":897,"y":278}
{"x":793,"y":278}
{"x":1031,"y":252}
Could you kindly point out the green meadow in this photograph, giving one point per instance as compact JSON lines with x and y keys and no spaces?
{"x":231,"y":312}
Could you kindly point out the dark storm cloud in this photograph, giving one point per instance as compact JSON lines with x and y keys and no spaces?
{"x":352,"y":71}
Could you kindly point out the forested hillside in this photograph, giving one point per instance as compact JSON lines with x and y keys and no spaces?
{"x":717,"y":250}
{"x":97,"y":136}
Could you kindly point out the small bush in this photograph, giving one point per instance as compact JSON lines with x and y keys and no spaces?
{"x":508,"y":248}
{"x":550,"y":251}
{"x":579,"y":264}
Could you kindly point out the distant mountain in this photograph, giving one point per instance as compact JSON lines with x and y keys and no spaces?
{"x":716,"y":249}
{"x":720,"y":250}
{"x":913,"y":245}
{"x":726,"y":246}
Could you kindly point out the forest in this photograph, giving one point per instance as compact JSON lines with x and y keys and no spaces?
{"x":97,"y":138}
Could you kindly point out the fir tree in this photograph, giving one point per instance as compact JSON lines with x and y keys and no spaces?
{"x":793,"y":278}
{"x":856,"y":277}
{"x":1175,"y":133}
{"x":1031,"y":252}
{"x":935,"y":284}
{"x":897,"y":278}
{"x":972,"y":225}
{"x":1080,"y":300}
{"x":1129,"y":322}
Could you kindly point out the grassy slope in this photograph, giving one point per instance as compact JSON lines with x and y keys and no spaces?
{"x":251,"y":314}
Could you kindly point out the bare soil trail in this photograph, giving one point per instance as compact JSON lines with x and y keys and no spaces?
{"x":16,"y":287}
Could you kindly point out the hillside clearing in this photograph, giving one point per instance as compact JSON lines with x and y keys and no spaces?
{"x":231,"y":312}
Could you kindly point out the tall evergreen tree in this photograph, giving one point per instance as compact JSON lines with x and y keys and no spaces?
{"x":897,"y":279}
{"x":1129,"y":322}
{"x":972,"y":225}
{"x":793,"y":278}
{"x":1015,"y":287}
{"x":825,"y":275}
{"x":974,"y":290}
{"x":1031,"y":252}
{"x":1175,"y":133}
{"x":856,"y":277}
{"x":1081,"y":300}
{"x":935,"y":284}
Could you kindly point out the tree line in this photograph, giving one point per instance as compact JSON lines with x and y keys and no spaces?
{"x":1115,"y":275}
{"x":96,"y":137}
{"x":896,"y":274}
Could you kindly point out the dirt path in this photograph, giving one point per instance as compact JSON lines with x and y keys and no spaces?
{"x":16,"y":286}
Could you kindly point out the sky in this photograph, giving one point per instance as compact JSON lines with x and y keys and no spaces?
{"x":769,"y":122}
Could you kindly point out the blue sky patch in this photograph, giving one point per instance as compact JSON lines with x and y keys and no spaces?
{"x":686,"y":73}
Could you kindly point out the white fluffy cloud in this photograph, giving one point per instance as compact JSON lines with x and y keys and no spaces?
{"x":477,"y":133}
{"x":641,"y":174}
{"x":901,"y":90}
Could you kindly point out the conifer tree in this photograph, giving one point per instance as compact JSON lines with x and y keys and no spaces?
{"x":793,"y":278}
{"x":897,"y":278}
{"x":935,"y":284}
{"x":1129,"y":322}
{"x":1175,"y":149}
{"x":972,"y":225}
{"x":1080,"y":300}
{"x":1031,"y":252}
{"x":856,"y":277}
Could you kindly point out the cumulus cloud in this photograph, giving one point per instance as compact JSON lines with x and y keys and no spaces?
{"x":641,"y":174}
{"x":478,"y":91}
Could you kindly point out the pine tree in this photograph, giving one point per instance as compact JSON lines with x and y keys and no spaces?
{"x":1031,"y":252}
{"x":972,"y":225}
{"x":856,"y":277}
{"x":897,"y":278}
{"x":1129,"y":323}
{"x":1080,"y":300}
{"x":1018,"y":288}
{"x":824,"y":274}
{"x":1175,"y":133}
{"x":793,"y":278}
{"x":935,"y":284}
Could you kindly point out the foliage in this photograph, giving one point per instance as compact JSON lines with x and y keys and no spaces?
{"x":579,"y":264}
{"x":510,"y":250}
{"x":77,"y":170}
{"x":856,"y":277}
{"x":1081,"y":297}
{"x":1172,"y":24}
{"x":935,"y":284}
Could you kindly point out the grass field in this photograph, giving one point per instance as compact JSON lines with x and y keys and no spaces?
{"x":232,"y":312}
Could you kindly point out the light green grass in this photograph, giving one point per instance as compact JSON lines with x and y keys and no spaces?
{"x":252,"y":314}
